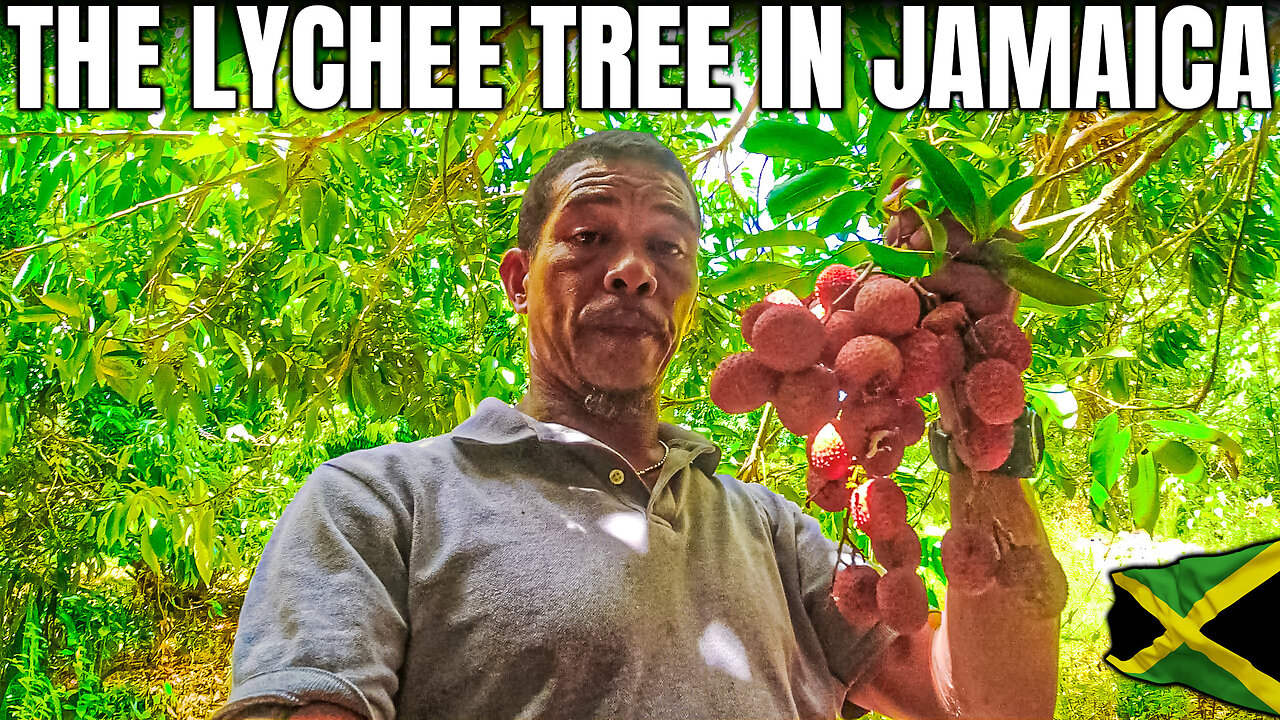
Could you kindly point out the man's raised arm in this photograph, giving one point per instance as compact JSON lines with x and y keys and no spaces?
{"x":996,"y":653}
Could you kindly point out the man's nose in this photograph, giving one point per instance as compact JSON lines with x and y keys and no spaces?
{"x":631,"y":272}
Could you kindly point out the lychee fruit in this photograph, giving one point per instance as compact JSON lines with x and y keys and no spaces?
{"x":1000,"y":337}
{"x":858,"y":419}
{"x":921,"y":365}
{"x":755,"y":310}
{"x":979,"y":291}
{"x":787,"y":337}
{"x":830,"y":494}
{"x":969,"y":556}
{"x":910,"y":422}
{"x":994,"y":391}
{"x":842,"y":327}
{"x":741,"y":383}
{"x":886,"y":506}
{"x":886,"y":306}
{"x":885,"y":453}
{"x":859,"y":515}
{"x":959,"y":238}
{"x":902,"y":600}
{"x":828,"y":457}
{"x":949,"y":317}
{"x":920,"y":240}
{"x":808,"y":399}
{"x":868,"y":365}
{"x":854,"y":591}
{"x":984,"y":447}
{"x":899,"y":547}
{"x":832,"y":283}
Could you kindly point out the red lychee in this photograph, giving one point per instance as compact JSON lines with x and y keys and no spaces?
{"x":979,"y":291}
{"x":858,"y":513}
{"x":829,"y":494}
{"x":994,"y":391}
{"x":886,"y":306}
{"x":859,"y":418}
{"x":949,"y":317}
{"x":828,"y":457}
{"x":984,"y":447}
{"x":787,"y":337}
{"x":868,"y":365}
{"x":854,"y":591}
{"x":783,"y":297}
{"x":1000,"y":337}
{"x":842,"y":327}
{"x":885,"y":453}
{"x":749,"y":317}
{"x":742,"y":384}
{"x":969,"y":556}
{"x":886,"y":506}
{"x":832,"y":282}
{"x":902,"y":600}
{"x":808,"y":399}
{"x":922,"y":367}
{"x":910,"y":422}
{"x":897,"y":548}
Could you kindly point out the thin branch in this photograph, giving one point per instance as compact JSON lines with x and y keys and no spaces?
{"x":1263,"y":132}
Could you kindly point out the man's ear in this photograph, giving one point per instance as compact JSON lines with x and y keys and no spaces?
{"x":514,"y":271}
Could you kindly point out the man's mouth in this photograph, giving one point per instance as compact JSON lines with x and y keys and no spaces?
{"x":633,"y":324}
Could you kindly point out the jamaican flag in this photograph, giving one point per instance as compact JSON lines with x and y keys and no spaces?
{"x":1207,"y":622}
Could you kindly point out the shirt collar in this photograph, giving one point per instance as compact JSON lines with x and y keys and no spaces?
{"x":497,"y":423}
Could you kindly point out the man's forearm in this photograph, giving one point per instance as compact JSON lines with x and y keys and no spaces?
{"x":998,"y":649}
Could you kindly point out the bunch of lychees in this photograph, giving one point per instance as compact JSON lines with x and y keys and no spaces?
{"x":844,"y":369}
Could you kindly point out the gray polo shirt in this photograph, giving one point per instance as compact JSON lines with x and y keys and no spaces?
{"x":514,"y":568}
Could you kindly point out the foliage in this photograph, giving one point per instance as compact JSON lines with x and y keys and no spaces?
{"x":197,"y":309}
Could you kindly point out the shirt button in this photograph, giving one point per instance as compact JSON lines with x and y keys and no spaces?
{"x":616,"y":477}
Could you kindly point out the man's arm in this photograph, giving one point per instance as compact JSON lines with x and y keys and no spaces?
{"x":996,"y":653}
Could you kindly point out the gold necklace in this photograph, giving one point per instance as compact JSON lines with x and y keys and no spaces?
{"x":666,"y":450}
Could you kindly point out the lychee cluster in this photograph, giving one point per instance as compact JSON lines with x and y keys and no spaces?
{"x":845,"y":367}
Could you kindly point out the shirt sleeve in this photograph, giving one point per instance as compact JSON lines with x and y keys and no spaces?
{"x":852,"y":655}
{"x":325,"y":616}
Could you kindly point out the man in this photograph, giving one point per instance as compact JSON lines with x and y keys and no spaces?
{"x":574,"y":557}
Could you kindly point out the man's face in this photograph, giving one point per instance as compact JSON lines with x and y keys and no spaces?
{"x":610,"y":287}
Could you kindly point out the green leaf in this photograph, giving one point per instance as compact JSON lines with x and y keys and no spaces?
{"x":310,"y":206}
{"x":36,"y":313}
{"x":842,"y":211}
{"x":149,"y":551}
{"x":882,"y":118}
{"x":937,"y":238}
{"x":163,"y":382}
{"x":1144,"y":491}
{"x":1006,"y":197}
{"x":805,"y":189}
{"x":904,"y":263}
{"x":783,"y":237}
{"x":1107,"y":450}
{"x":955,"y":191}
{"x":982,"y":207}
{"x":1178,"y":457}
{"x":1030,"y":279}
{"x":805,"y":143}
{"x":62,"y":304}
{"x":30,"y":268}
{"x":240,"y":347}
{"x":203,"y":547}
{"x":1200,"y":432}
{"x":752,"y":274}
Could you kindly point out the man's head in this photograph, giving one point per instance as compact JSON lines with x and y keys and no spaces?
{"x":606,"y":268}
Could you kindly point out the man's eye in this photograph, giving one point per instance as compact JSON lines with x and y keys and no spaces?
{"x":586,"y":237}
{"x":667,"y":247}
